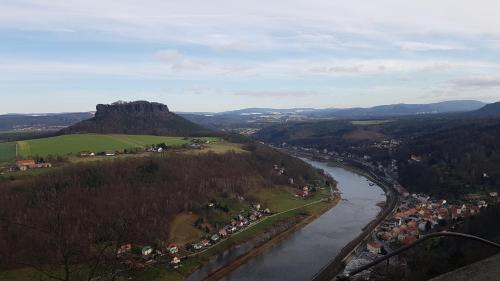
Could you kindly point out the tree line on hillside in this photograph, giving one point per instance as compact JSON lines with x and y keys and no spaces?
{"x":454,"y":160}
{"x":79,"y":214}
{"x":458,"y":155}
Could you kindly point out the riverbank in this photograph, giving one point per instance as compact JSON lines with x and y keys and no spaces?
{"x":335,"y":267}
{"x":299,"y":255}
{"x":258,"y":250}
{"x":272,"y":233}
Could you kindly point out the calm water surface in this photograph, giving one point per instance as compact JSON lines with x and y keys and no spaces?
{"x":306,"y":251}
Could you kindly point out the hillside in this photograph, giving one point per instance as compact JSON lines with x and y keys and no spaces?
{"x":455,"y":160}
{"x":50,"y":121}
{"x":93,"y":208}
{"x":139,"y":117}
{"x":456,"y":152}
{"x":489,"y":110}
{"x":261,"y":117}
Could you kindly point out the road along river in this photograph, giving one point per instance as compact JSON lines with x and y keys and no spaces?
{"x":305,"y":252}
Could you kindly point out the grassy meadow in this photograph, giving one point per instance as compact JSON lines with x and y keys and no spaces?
{"x":7,"y":152}
{"x":72,"y":144}
{"x":369,"y":122}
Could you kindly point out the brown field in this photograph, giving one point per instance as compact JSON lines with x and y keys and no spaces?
{"x":364,"y":134}
{"x":182,"y":229}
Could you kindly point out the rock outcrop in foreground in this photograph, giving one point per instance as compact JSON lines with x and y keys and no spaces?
{"x":138,"y":117}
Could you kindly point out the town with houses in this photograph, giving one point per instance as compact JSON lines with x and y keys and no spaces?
{"x":414,"y":215}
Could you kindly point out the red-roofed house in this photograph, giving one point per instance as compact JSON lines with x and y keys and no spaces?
{"x":172,"y":248}
{"x":443,"y":213}
{"x":374,"y":247}
{"x":409,"y":239}
{"x":24,"y":165}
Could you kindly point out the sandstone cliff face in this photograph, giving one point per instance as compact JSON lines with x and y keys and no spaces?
{"x":139,"y":117}
{"x":140,"y":107}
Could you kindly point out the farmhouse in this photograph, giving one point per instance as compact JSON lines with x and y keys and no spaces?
{"x":24,"y":165}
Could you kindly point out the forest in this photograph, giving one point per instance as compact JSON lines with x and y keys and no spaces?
{"x":74,"y":218}
{"x":458,"y":154}
{"x":456,"y":159}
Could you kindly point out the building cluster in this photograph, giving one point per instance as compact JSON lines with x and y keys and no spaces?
{"x":139,"y":256}
{"x":418,"y":214}
{"x":238,"y":223}
{"x":23,"y":165}
{"x":246,"y":131}
{"x":387,"y":144}
{"x":197,"y":144}
{"x":148,"y":254}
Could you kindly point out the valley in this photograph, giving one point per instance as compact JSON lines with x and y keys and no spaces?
{"x":243,"y":200}
{"x":233,"y":191}
{"x":254,"y":140}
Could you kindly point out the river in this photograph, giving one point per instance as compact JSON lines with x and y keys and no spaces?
{"x":306,"y":251}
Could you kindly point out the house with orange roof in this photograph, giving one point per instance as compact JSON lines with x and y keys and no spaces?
{"x":24,"y":165}
{"x":409,"y":239}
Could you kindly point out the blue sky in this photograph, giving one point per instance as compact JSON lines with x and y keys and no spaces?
{"x":68,"y":55}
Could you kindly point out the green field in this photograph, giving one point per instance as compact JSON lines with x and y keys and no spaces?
{"x":72,"y":144}
{"x":7,"y":152}
{"x":369,"y":122}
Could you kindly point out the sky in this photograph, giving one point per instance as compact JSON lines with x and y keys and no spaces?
{"x":217,"y":55}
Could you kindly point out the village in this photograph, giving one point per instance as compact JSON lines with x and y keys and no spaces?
{"x":138,"y":257}
{"x":415,"y":215}
{"x":418,"y":214}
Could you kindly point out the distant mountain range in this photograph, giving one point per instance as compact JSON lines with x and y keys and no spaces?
{"x":258,"y":117}
{"x":32,"y":122}
{"x":139,"y":117}
{"x":254,"y":116}
{"x":402,"y":109}
{"x":489,"y":110}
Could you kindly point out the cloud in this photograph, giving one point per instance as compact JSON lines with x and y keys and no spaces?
{"x":259,"y":24}
{"x":169,"y":55}
{"x":360,"y":67}
{"x":337,"y":69}
{"x":171,"y":64}
{"x":276,"y":93}
{"x":179,"y":62}
{"x":491,"y":81}
{"x":423,"y":46}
